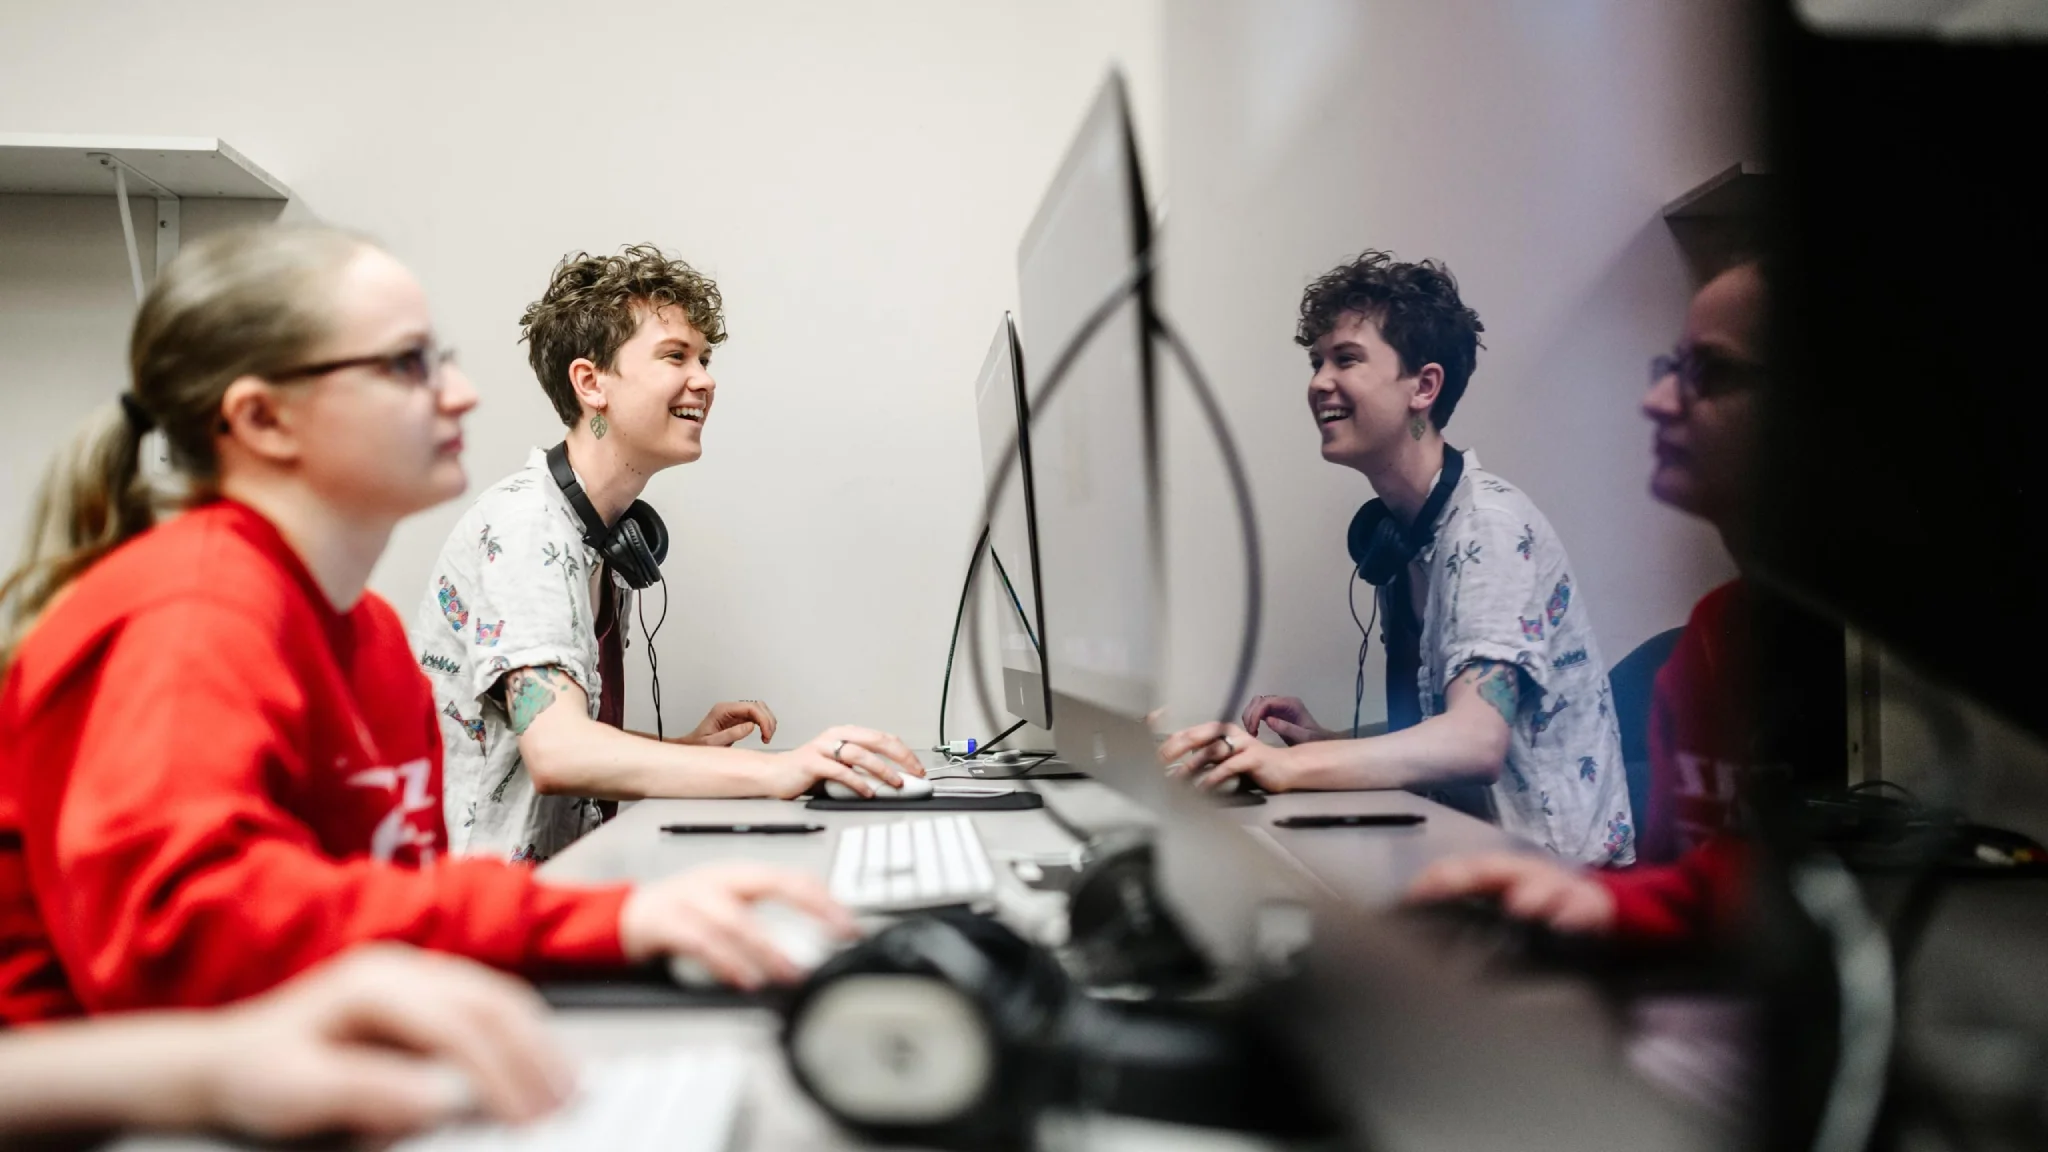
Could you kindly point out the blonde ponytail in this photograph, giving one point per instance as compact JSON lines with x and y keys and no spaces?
{"x":245,"y":302}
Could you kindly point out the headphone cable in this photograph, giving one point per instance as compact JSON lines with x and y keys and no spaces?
{"x":1364,"y":643}
{"x":653,"y":667}
{"x":960,"y":613}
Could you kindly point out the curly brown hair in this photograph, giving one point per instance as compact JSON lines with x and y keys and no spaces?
{"x":593,"y":305}
{"x":1417,"y":310}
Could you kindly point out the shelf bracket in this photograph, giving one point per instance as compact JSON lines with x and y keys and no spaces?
{"x":167,"y":217}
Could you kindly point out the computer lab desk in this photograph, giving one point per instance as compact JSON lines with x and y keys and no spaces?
{"x":1369,"y":866}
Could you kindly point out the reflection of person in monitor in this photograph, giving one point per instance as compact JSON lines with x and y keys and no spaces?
{"x":1498,"y":696}
{"x":521,"y":630}
{"x":1706,"y":721}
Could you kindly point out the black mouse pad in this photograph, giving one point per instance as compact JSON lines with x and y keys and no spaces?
{"x":1007,"y":802}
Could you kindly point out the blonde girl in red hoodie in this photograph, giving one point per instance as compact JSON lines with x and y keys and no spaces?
{"x":219,"y":763}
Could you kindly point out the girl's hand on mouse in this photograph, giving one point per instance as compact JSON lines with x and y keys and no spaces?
{"x":1560,"y":897}
{"x":856,"y":757}
{"x":707,"y":915}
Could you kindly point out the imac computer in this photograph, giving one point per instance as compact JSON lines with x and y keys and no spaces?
{"x":1402,"y":1044}
{"x":1092,"y":440}
{"x":1097,"y":511}
{"x":1013,"y":527}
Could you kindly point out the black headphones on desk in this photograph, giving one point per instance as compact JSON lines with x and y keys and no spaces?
{"x":634,"y":547}
{"x":944,"y":1030}
{"x":948,"y":1030}
{"x":1380,"y":547}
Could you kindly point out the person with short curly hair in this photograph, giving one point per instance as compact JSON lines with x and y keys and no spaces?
{"x":520,"y":627}
{"x":1497,"y":695}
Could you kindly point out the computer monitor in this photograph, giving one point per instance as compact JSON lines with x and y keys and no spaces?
{"x":1093,"y":441}
{"x":1229,"y":886}
{"x":1004,"y":412}
{"x":1901,"y":488}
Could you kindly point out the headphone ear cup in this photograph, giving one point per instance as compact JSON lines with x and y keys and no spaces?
{"x":652,"y":529}
{"x":938,"y":1031}
{"x":1375,"y":544}
{"x":637,"y":546}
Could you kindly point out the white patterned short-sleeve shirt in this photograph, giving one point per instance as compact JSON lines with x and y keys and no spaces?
{"x":1499,"y":588}
{"x":511,"y":588}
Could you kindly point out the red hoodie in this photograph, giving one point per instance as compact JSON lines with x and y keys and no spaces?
{"x":1691,"y":883}
{"x":210,"y":780}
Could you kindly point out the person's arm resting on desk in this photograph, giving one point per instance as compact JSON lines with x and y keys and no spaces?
{"x":568,"y":753}
{"x":1468,"y":743}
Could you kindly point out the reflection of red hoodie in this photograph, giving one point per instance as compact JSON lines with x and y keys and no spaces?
{"x":1700,"y":729}
{"x":1692,"y":880}
{"x":211,"y":780}
{"x":1700,"y":895}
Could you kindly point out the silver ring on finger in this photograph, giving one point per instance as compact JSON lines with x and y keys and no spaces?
{"x":1230,"y":744}
{"x":836,"y":748}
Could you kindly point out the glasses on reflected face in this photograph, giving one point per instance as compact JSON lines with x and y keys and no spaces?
{"x":1704,"y":374}
{"x":420,"y":366}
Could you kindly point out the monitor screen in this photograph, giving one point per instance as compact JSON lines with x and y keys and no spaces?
{"x":1012,"y":530}
{"x":1093,"y":441}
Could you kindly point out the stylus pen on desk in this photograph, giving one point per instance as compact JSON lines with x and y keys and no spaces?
{"x":741,"y":829}
{"x":1353,"y":820}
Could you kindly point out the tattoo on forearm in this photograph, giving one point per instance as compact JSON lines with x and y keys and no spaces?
{"x":528,"y":693}
{"x":1499,"y":686}
{"x":599,"y":425}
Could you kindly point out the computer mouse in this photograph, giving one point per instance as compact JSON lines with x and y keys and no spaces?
{"x":914,"y":788}
{"x":798,"y":935}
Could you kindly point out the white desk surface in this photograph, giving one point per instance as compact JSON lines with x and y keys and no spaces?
{"x":1366,"y":865}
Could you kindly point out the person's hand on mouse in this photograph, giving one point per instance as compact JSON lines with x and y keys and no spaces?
{"x":706,"y":914}
{"x":1210,"y":755}
{"x":856,"y":757}
{"x":1286,"y":717}
{"x":1558,"y":896}
{"x":730,"y":722}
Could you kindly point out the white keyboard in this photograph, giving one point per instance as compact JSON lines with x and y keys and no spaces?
{"x":927,"y":862}
{"x":684,"y":1100}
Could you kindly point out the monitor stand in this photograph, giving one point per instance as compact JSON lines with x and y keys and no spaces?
{"x":1050,"y":768}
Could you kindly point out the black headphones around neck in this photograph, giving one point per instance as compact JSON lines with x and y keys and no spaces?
{"x":1380,"y":547}
{"x":634,"y":547}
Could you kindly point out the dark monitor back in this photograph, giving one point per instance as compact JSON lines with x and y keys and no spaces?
{"x":1902,"y":492}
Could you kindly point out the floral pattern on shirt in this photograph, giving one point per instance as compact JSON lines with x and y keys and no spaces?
{"x":510,"y":589}
{"x":1499,"y":589}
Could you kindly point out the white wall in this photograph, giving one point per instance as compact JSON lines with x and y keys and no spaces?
{"x":856,"y":176}
{"x":1530,"y":146}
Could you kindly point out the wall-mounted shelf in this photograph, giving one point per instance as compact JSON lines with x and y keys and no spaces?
{"x":1739,"y":190}
{"x":1721,"y":217}
{"x":164,"y":168}
{"x":179,"y":166}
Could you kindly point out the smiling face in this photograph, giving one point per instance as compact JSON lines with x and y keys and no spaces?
{"x":1363,"y":404}
{"x":658,"y":391}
